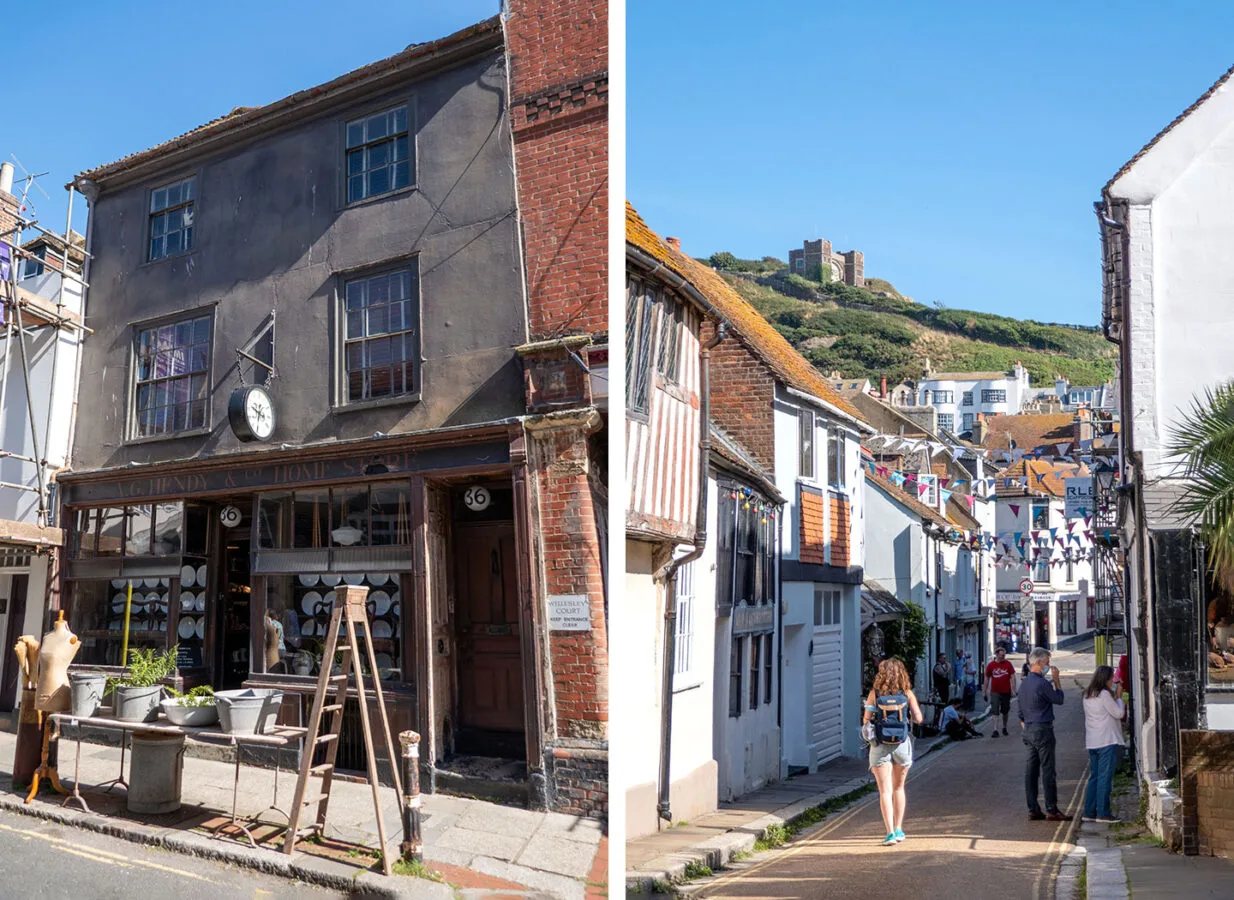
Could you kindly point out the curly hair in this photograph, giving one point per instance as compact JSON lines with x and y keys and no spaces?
{"x":892,"y":678}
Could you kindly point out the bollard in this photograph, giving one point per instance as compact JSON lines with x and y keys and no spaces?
{"x":413,"y":842}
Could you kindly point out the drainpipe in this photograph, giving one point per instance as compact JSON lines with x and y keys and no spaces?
{"x":668,"y":573}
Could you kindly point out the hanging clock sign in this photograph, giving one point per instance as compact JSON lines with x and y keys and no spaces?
{"x":477,"y":498}
{"x":230,"y":516}
{"x":251,"y":413}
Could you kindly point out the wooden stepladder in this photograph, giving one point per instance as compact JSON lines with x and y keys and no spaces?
{"x":331,"y":695}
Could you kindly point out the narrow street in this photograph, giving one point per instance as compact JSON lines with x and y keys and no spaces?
{"x":50,"y":860}
{"x":967,"y":826}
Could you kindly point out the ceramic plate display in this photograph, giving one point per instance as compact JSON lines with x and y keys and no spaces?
{"x":118,"y":582}
{"x":377,"y":578}
{"x":308,"y":580}
{"x":150,"y":582}
{"x":309,"y":603}
{"x":381,"y":602}
{"x":188,"y":626}
{"x":201,"y":628}
{"x":187,"y":600}
{"x":116,"y":626}
{"x":188,"y":576}
{"x":201,"y":602}
{"x":381,"y":629}
{"x":309,"y":628}
{"x":329,"y":600}
{"x":201,"y":575}
{"x":394,"y":608}
{"x":354,"y":578}
{"x":164,"y":582}
{"x":330,"y":580}
{"x":117,"y":602}
{"x":384,"y":664}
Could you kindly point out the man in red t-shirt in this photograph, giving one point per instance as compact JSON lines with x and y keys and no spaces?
{"x":1000,"y":681}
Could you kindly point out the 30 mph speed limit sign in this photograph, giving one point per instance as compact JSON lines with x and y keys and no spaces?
{"x":1026,"y":586}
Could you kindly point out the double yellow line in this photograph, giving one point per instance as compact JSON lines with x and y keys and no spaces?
{"x":102,"y":856}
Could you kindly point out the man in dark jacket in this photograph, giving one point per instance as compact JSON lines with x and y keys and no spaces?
{"x":1037,"y":699}
{"x":942,"y":679}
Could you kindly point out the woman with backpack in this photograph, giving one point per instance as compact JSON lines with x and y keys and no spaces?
{"x":891,"y":707}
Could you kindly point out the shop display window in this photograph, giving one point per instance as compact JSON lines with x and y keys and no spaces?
{"x":96,"y":610}
{"x":344,"y":516}
{"x":302,"y":605}
{"x":138,"y":530}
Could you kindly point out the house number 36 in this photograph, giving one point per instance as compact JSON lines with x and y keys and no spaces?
{"x":477,"y":499}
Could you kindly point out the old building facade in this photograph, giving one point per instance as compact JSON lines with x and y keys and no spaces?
{"x":305,"y":370}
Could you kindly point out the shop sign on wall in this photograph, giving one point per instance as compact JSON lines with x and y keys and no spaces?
{"x":569,"y":612}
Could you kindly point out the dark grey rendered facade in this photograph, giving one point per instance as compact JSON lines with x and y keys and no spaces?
{"x":403,"y":469}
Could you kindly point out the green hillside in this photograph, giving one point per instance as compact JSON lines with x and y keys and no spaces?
{"x":862,"y":333}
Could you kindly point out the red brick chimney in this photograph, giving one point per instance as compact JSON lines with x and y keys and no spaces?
{"x":882,"y":387}
{"x":673,"y":242}
{"x":980,"y":430}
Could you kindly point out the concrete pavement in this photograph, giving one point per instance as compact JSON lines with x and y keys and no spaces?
{"x":477,"y":847}
{"x":967,"y":826}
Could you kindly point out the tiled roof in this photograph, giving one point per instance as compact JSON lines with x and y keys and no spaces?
{"x":1029,"y":431}
{"x":640,"y":235}
{"x":1050,"y":480}
{"x":1164,"y":131}
{"x":760,"y":337}
{"x":243,"y":115}
{"x":879,"y":605}
{"x":907,"y":500}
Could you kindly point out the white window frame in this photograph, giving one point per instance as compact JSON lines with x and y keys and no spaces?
{"x":950,"y":419}
{"x":807,"y":451}
{"x":685,"y":675}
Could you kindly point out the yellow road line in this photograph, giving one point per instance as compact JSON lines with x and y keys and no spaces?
{"x":91,"y":856}
{"x":99,"y":855}
{"x":1051,"y":851}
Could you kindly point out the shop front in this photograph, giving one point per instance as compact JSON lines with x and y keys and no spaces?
{"x":235,"y":562}
{"x":1014,"y":622}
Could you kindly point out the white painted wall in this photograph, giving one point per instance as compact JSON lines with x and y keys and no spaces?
{"x":641,"y":689}
{"x":1015,"y":385}
{"x":16,"y":434}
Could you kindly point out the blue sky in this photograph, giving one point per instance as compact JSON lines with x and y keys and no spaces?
{"x":959,"y":145}
{"x":96,"y":85}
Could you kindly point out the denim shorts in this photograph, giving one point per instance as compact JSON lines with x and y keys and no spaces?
{"x":900,"y":754}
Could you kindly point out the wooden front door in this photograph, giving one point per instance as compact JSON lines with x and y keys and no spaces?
{"x":490,"y":667}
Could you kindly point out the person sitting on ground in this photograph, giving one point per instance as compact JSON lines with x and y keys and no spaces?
{"x":955,"y":724}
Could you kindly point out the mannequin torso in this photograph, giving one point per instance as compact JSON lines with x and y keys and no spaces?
{"x":56,"y":652}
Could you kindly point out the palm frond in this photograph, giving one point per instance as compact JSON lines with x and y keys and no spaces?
{"x":1206,"y":433}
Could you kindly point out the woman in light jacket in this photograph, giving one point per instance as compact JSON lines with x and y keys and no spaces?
{"x":1103,"y":736}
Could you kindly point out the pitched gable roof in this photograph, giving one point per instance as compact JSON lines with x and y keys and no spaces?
{"x":1044,"y":477}
{"x":1143,"y":151}
{"x":761,"y":337}
{"x":1028,"y":431}
{"x":640,"y":235}
{"x":905,"y":499}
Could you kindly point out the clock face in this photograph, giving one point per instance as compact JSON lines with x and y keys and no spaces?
{"x":251,"y":413}
{"x":259,"y":413}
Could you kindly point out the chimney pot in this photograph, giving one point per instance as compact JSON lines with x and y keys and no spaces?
{"x":882,"y":387}
{"x":673,"y":242}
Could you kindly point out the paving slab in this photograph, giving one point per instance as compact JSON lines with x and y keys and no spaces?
{"x":552,"y":854}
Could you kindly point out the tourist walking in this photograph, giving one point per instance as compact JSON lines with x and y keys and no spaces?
{"x":1039,"y":693}
{"x":890,"y":707}
{"x":1103,"y":737}
{"x":999,"y":684}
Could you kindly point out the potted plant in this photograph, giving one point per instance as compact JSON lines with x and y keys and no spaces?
{"x":197,"y":708}
{"x":138,"y":692}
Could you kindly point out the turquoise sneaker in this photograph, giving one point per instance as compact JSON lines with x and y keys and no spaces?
{"x":889,"y":839}
{"x":899,"y":835}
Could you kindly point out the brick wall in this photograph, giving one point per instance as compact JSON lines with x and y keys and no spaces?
{"x":812,"y":527}
{"x":742,"y":397}
{"x":559,"y":103}
{"x":579,"y":776}
{"x":1206,"y":783}
{"x":841,"y":528}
